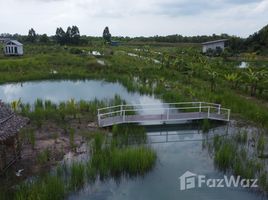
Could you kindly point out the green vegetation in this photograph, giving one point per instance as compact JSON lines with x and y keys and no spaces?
{"x":172,"y":73}
{"x":232,"y":155}
{"x":126,"y":134}
{"x":261,"y":145}
{"x":118,"y":159}
{"x":107,"y":160}
{"x":183,"y":74}
{"x":43,"y":157}
{"x":48,"y":187}
{"x":46,"y":110}
{"x":205,"y":125}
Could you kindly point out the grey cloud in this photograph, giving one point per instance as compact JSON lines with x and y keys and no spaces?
{"x":196,"y":7}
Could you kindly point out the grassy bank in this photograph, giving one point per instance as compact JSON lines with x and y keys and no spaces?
{"x":182,"y":74}
{"x":237,"y":155}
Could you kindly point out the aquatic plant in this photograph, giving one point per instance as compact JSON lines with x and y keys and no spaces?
{"x":126,"y":134}
{"x":241,"y":137}
{"x":118,"y":158}
{"x":48,"y":187}
{"x":205,"y":125}
{"x":224,"y":157}
{"x":261,"y":145}
{"x":77,"y":175}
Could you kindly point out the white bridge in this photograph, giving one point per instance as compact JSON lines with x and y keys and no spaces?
{"x":161,"y":113}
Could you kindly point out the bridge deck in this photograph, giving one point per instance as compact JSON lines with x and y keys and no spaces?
{"x":109,"y":121}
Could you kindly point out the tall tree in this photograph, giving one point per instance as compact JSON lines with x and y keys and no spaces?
{"x":60,"y":36}
{"x":44,"y":38}
{"x":31,"y":35}
{"x":106,"y":35}
{"x":71,"y":36}
{"x":75,"y":35}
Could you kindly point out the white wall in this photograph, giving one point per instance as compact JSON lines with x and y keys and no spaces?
{"x":213,"y":46}
{"x":10,"y":50}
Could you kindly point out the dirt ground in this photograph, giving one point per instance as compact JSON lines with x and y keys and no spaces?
{"x":52,"y":143}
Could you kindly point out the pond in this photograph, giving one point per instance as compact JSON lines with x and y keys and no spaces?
{"x":65,"y":90}
{"x":175,"y":157}
{"x":178,"y":150}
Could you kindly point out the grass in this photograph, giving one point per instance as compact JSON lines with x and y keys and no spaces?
{"x":43,"y":157}
{"x":184,"y":79}
{"x":124,"y":135}
{"x":107,"y":160}
{"x":241,"y":137}
{"x":261,"y":145}
{"x":118,"y":158}
{"x":205,"y":125}
{"x":231,"y":155}
{"x":49,"y":187}
{"x":181,"y":76}
{"x":46,"y":110}
{"x":77,"y":177}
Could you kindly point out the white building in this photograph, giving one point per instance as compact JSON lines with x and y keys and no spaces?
{"x":213,"y":45}
{"x":13,"y":47}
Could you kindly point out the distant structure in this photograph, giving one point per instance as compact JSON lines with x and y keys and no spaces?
{"x":213,"y":45}
{"x":3,"y":40}
{"x":13,"y":48}
{"x":114,"y":43}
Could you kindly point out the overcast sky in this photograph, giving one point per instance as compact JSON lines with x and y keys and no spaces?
{"x":135,"y":17}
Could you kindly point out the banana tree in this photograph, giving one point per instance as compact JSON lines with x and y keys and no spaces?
{"x":213,"y":75}
{"x":15,"y":105}
{"x":233,"y":79}
{"x":254,"y":78}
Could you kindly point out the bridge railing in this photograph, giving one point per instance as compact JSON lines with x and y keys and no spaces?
{"x":166,"y":110}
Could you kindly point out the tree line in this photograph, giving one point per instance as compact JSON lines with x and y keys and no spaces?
{"x":257,"y":42}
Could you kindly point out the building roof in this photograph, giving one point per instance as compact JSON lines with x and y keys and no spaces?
{"x":4,"y":39}
{"x":10,"y":123}
{"x":16,"y":42}
{"x":214,"y":41}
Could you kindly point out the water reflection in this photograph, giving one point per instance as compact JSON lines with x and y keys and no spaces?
{"x":64,"y":90}
{"x":174,"y":159}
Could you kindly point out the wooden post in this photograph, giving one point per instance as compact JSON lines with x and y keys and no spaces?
{"x":200,"y":106}
{"x":208,"y":111}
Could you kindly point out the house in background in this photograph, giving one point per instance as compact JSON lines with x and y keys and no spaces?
{"x":13,"y":48}
{"x":213,"y":45}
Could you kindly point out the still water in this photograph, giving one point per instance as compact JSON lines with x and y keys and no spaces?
{"x":178,"y":150}
{"x":57,"y":91}
{"x":175,"y":157}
